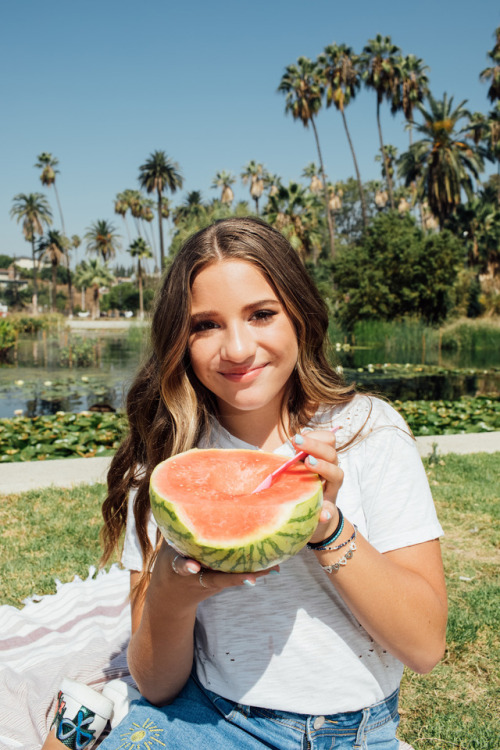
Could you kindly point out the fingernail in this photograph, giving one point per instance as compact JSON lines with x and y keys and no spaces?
{"x":327,"y":514}
{"x":312,"y":460}
{"x":192,"y":569}
{"x":274,"y":572}
{"x":298,"y":440}
{"x":249,"y":583}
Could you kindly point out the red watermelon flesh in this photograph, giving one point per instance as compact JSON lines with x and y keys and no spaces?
{"x":203,"y":503}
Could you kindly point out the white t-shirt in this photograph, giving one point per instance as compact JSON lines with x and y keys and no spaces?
{"x":290,"y":643}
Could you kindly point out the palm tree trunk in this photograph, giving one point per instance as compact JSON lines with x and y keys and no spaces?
{"x":141,"y":301}
{"x":126,"y":228}
{"x":70,"y":285}
{"x":152,"y":241}
{"x":360,"y":184}
{"x":35,"y":278}
{"x":325,"y":190}
{"x":137,"y":226}
{"x":384,"y":155}
{"x":160,"y":227}
{"x":59,"y":207}
{"x":96,"y":311}
{"x":54,"y":287}
{"x":498,"y":183}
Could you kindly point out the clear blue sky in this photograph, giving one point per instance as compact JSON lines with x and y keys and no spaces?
{"x":101,"y":84}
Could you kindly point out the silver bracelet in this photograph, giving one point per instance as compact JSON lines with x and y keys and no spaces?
{"x":347,"y":556}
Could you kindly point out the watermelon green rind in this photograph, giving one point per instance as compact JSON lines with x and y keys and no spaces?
{"x":296,"y":523}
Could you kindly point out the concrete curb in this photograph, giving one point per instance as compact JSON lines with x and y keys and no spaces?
{"x":68,"y":472}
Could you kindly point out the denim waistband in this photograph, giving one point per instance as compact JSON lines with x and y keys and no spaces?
{"x":349,"y":722}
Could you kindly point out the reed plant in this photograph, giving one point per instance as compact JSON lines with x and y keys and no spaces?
{"x":411,"y":340}
{"x":472,"y":335}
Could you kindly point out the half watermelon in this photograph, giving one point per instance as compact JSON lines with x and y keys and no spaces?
{"x":203,"y":504}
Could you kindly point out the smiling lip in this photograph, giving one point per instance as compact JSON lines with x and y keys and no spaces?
{"x":243,"y":376}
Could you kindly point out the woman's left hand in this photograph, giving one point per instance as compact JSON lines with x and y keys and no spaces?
{"x":323,"y":460}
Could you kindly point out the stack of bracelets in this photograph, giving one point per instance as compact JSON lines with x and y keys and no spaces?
{"x":326,"y":545}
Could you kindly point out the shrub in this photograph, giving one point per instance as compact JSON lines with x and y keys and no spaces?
{"x":7,"y":338}
{"x":80,"y":352}
{"x":397,"y":271}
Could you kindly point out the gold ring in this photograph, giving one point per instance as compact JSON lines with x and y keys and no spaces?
{"x":174,"y":567}
{"x":201,"y":579}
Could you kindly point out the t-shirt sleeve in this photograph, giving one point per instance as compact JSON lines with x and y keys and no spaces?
{"x":132,"y":555}
{"x":397,"y":500}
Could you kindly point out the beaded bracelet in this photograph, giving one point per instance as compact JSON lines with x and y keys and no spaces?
{"x":324,"y":544}
{"x":335,"y":567}
{"x":339,"y":546}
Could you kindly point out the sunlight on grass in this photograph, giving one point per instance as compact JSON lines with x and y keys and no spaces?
{"x":456,"y":705}
{"x":48,"y":534}
{"x":53,"y":533}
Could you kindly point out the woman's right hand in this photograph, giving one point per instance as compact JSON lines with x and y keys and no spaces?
{"x":201,"y":582}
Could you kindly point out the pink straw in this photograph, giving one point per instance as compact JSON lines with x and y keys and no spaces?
{"x":271,"y":478}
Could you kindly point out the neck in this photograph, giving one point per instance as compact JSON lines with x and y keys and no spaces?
{"x":256,"y":428}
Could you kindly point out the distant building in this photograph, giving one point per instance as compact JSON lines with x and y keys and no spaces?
{"x":26,"y":263}
{"x":10,"y":276}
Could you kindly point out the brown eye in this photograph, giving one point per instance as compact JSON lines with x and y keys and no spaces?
{"x":263,"y":315}
{"x":203,"y":325}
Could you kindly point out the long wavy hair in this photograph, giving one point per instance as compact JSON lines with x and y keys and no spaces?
{"x":168,"y":409}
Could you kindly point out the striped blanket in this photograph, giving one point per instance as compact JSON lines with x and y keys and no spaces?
{"x":81,"y":631}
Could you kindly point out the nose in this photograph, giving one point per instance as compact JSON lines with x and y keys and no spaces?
{"x":238,"y":344}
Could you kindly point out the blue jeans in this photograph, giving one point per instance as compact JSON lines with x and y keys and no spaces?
{"x":201,"y":720}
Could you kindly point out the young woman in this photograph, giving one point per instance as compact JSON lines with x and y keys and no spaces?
{"x":311,"y":657}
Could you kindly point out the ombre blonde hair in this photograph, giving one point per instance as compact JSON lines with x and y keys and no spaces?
{"x":168,"y":409}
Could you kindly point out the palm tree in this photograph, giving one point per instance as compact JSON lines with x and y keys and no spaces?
{"x":414,"y":86}
{"x":224,"y":180}
{"x":492,"y":73}
{"x":485,"y":132}
{"x":388,"y":161}
{"x":165,"y":207}
{"x":192,"y":206}
{"x":311,"y":172}
{"x":380,"y":73}
{"x":341,"y":75}
{"x":478,"y":222}
{"x":442,"y":163}
{"x":156,"y":175}
{"x":94,"y":274}
{"x":122,"y":207}
{"x":48,"y":163}
{"x":75,"y":242}
{"x":53,"y":247}
{"x":140,"y":249}
{"x":303,"y":88}
{"x":147,"y":216}
{"x":254,"y":173}
{"x":34,"y":212}
{"x":293,"y":210}
{"x":272,"y":183}
{"x":102,"y":239}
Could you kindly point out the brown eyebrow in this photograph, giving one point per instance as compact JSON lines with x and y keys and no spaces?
{"x":252,"y":306}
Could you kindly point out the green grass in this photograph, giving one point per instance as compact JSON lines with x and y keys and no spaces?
{"x":47,"y":534}
{"x":456,"y":706}
{"x":54,"y":533}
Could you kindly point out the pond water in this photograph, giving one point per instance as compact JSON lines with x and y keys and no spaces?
{"x":36,"y":383}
